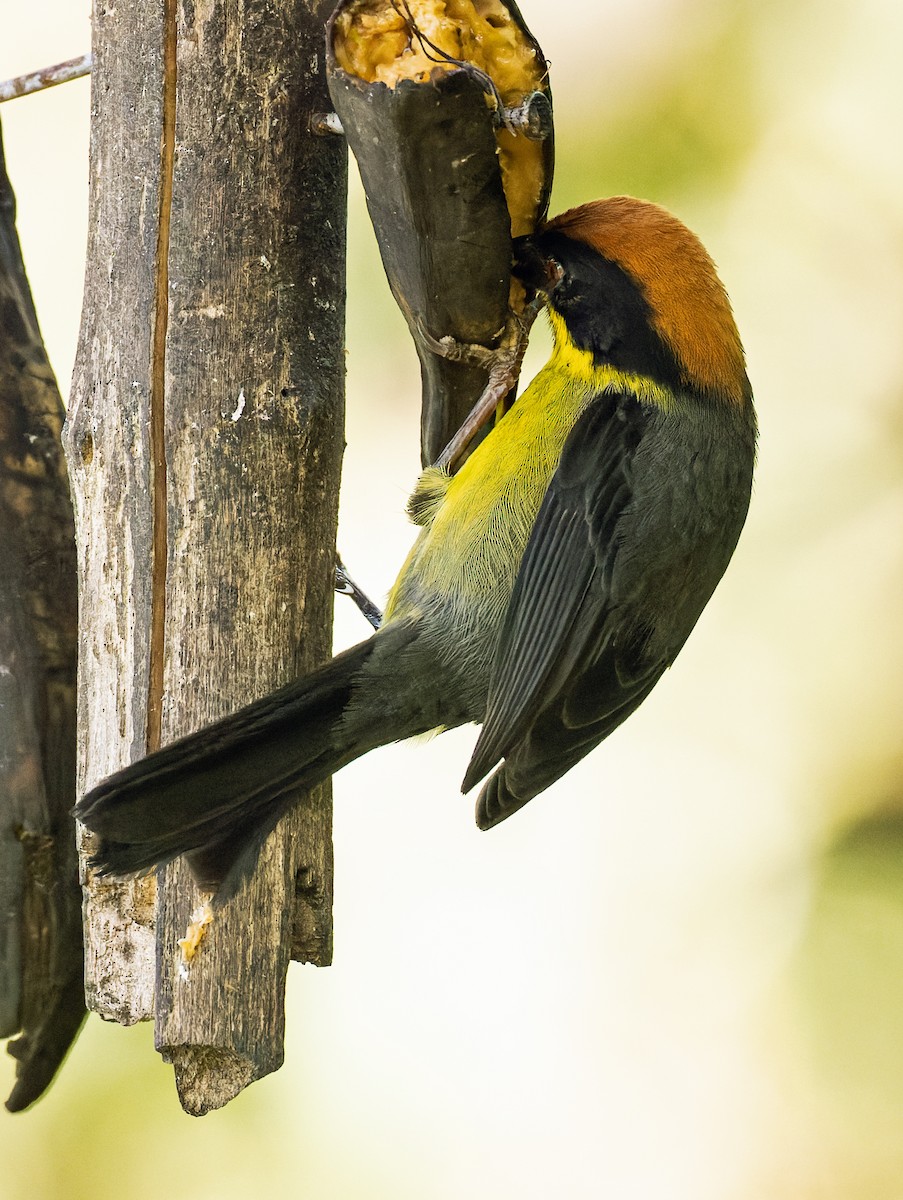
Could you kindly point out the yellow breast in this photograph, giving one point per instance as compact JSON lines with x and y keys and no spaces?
{"x":476,"y":523}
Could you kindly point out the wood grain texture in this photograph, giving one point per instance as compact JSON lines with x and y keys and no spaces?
{"x":108,"y":451}
{"x":234,"y":326}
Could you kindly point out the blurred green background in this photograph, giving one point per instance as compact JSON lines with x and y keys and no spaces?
{"x":679,"y":974}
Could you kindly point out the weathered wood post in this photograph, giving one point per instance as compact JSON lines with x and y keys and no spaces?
{"x":204,"y":443}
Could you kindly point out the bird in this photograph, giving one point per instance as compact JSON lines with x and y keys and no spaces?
{"x":554,"y":578}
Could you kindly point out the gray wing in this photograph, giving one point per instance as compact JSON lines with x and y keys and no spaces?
{"x":569,"y":667}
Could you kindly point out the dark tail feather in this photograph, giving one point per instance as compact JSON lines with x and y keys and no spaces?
{"x":214,"y":791}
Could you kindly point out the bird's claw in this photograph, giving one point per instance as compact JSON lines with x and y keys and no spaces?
{"x":346,"y":586}
{"x":502,"y":366}
{"x":447,"y":347}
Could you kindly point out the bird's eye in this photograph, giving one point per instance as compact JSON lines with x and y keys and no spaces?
{"x":534,"y":268}
{"x":554,"y":274}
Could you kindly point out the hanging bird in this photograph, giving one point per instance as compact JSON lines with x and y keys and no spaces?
{"x":554,"y":579}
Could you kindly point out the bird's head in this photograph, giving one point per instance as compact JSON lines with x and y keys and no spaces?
{"x":631,"y":288}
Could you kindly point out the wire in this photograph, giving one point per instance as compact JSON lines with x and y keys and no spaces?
{"x":402,"y":7}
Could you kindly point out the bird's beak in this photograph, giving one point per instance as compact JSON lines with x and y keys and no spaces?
{"x":537,"y":271}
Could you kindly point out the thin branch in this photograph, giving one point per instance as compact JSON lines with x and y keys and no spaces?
{"x":46,"y":77}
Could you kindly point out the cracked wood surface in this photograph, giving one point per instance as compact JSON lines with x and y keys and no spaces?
{"x":212,"y":334}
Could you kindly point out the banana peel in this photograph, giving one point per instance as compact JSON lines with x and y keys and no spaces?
{"x":447,"y":109}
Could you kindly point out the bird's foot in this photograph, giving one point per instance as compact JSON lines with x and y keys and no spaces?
{"x":346,"y":586}
{"x":502,"y":366}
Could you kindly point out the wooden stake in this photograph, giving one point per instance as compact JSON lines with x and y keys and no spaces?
{"x":204,"y":441}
